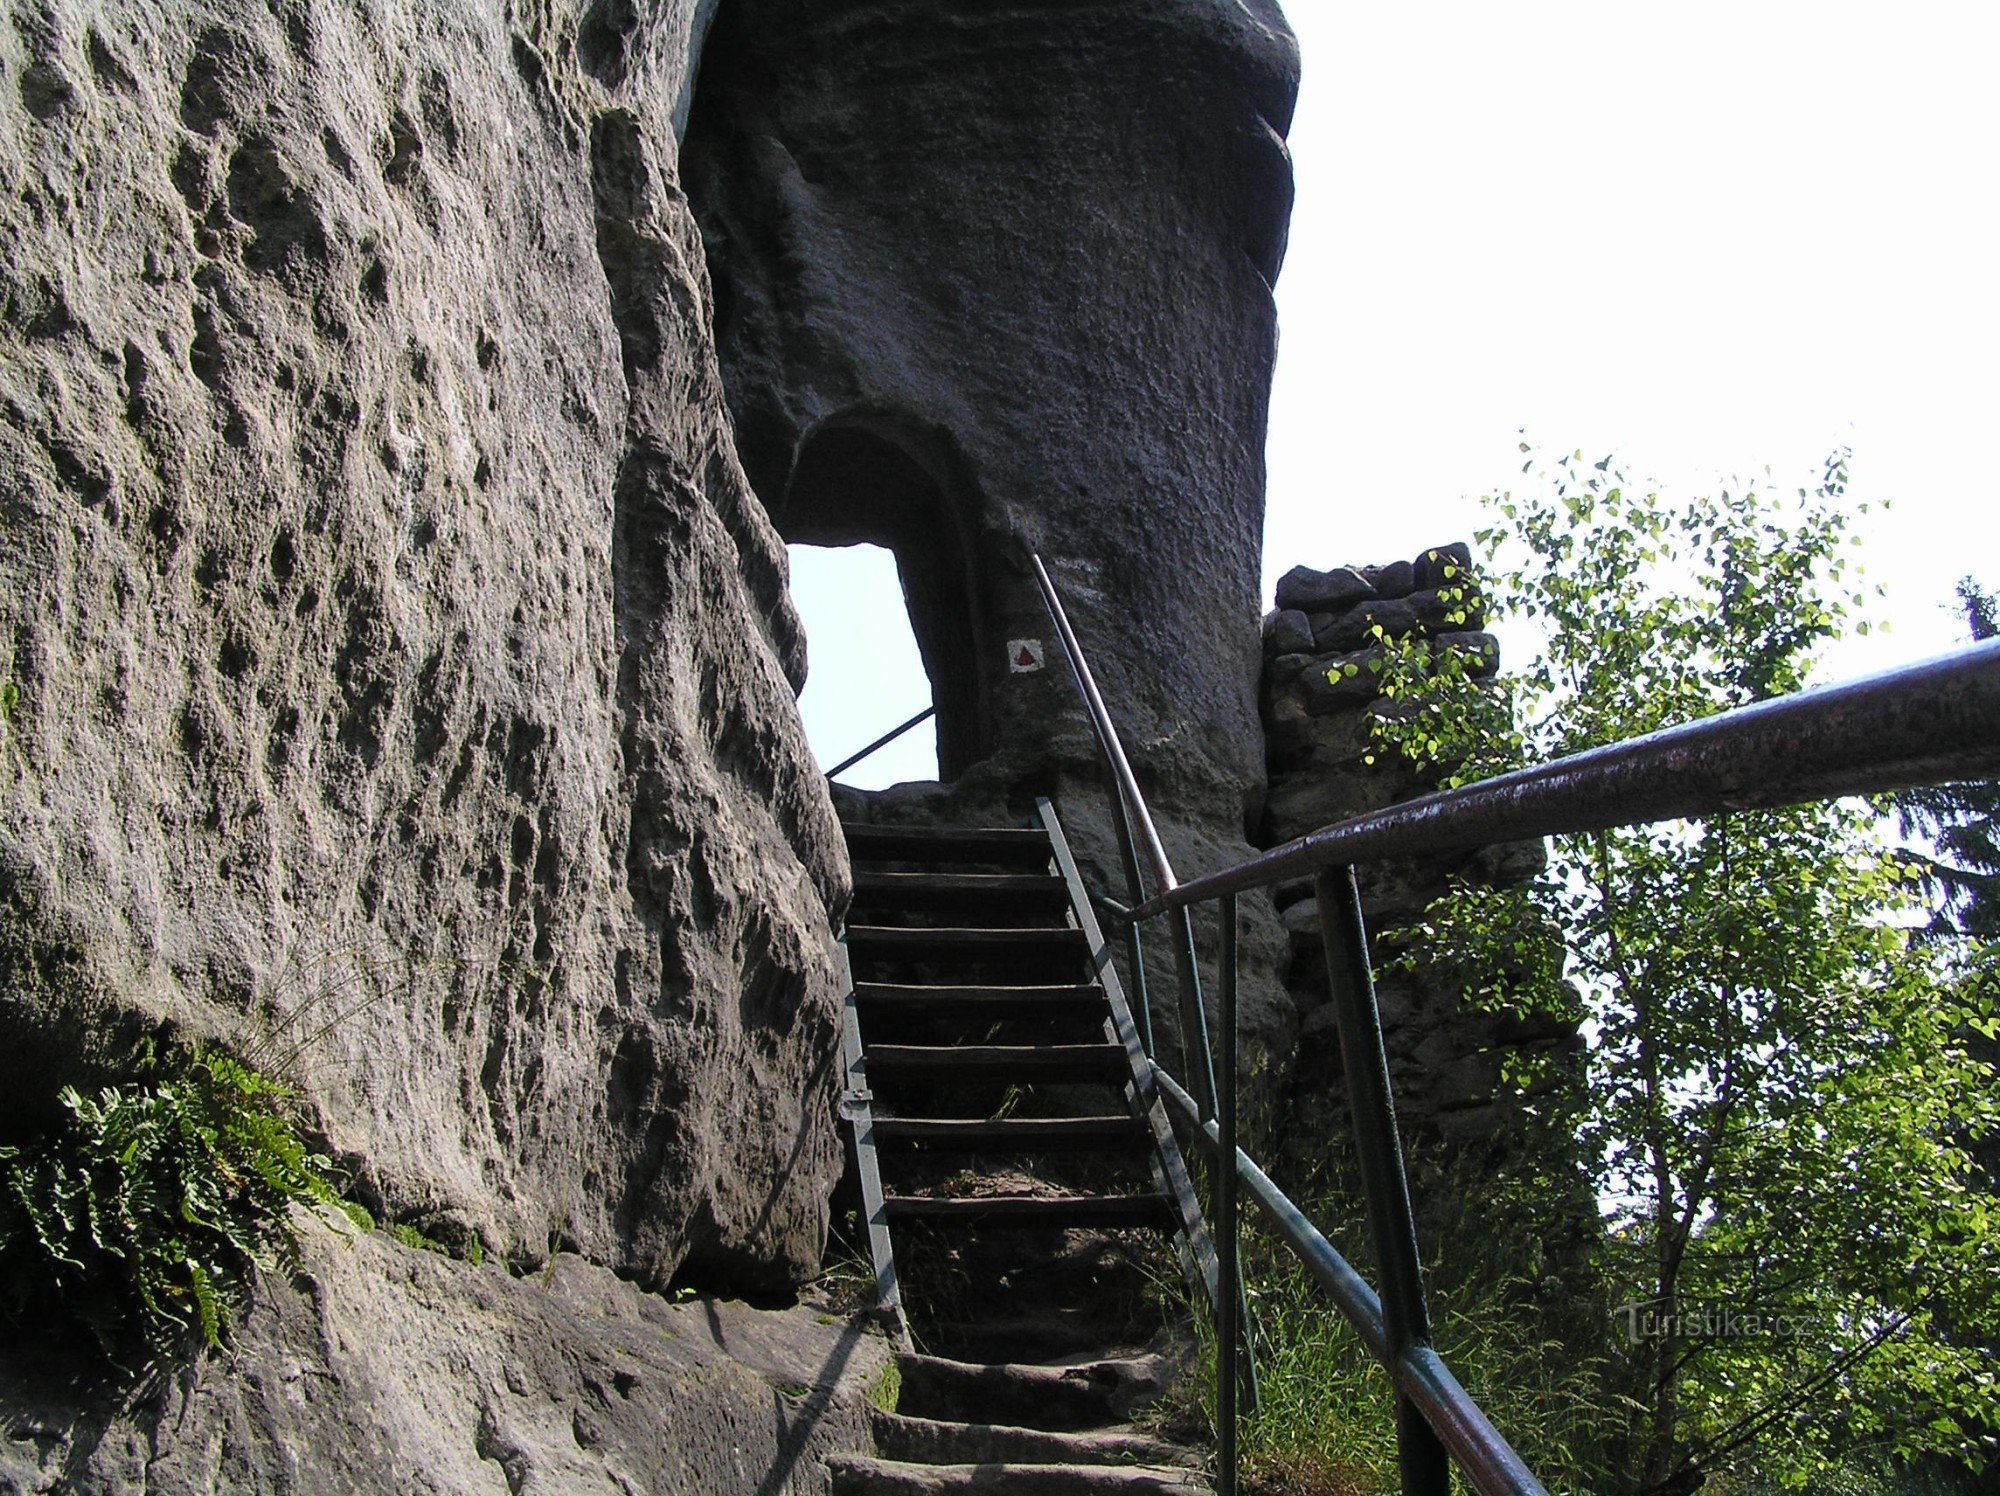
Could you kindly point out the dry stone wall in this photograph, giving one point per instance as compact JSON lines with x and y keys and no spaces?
{"x":1320,"y":701}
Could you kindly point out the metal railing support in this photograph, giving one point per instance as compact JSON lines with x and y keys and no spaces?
{"x":1135,"y":887}
{"x":1196,"y":1053}
{"x":1228,"y":1333}
{"x":1391,"y":1224}
{"x":882,"y":742}
{"x":1486,"y":1458}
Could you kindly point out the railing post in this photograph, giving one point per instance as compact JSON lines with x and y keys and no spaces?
{"x":1227,"y":1289}
{"x":1196,"y":1053}
{"x":1134,"y":942}
{"x":1426,"y":1469}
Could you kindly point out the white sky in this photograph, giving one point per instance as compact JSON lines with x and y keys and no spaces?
{"x":1707,"y":237}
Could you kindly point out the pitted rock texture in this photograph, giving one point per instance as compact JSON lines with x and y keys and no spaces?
{"x":400,"y":647}
{"x":379,"y":1367}
{"x":1025,"y":253}
{"x":997,"y":278}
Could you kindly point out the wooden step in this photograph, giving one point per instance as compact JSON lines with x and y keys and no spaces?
{"x":912,"y":999}
{"x":1008,"y":846}
{"x":1009,"y":1062}
{"x":1029,"y":1212}
{"x":947,"y":943}
{"x":1017,"y":1134}
{"x":929,"y":891}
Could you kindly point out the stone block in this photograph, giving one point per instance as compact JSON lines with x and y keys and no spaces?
{"x":1322,"y":591}
{"x":1443,"y":565}
{"x":1394,"y":580}
{"x":1286,"y":631}
{"x":1396,"y":617}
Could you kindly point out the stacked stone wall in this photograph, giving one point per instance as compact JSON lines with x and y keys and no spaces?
{"x":1324,"y":645}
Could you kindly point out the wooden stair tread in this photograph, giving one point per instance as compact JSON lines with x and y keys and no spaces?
{"x":1016,"y":1134}
{"x":921,"y":940}
{"x":1009,"y":844}
{"x":931,"y":890}
{"x":1010,"y":1061}
{"x":1028,"y":1211}
{"x":917,"y":997}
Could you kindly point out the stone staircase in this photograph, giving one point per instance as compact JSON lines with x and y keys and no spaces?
{"x":1009,"y":1140}
{"x":1022,"y":1430}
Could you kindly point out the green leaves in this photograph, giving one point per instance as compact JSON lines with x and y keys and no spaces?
{"x":143,"y":1213}
{"x":1779,"y":1095}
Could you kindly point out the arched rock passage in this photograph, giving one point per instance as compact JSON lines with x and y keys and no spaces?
{"x":859,"y":481}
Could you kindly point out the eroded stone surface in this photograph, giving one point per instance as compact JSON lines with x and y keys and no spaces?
{"x":997,"y":278}
{"x":398,"y":641}
{"x":379,"y":1367}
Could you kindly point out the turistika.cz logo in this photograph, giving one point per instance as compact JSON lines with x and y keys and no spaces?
{"x":1649,"y":1319}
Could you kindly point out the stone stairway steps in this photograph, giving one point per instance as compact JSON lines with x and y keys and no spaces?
{"x":861,"y":1475}
{"x":1017,"y":1430}
{"x":1067,"y":1399}
{"x":902,"y":1436}
{"x":975,"y":994}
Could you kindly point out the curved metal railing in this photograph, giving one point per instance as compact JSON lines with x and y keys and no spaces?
{"x":1926,"y":723}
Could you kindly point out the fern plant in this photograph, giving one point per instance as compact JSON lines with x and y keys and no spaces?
{"x":144,"y":1211}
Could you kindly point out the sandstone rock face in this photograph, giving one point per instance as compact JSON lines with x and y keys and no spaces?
{"x":404,"y":663}
{"x":999,"y":277}
{"x":993,"y":278}
{"x":382,"y":1368}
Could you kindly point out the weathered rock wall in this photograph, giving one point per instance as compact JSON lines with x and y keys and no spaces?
{"x":395,"y":633}
{"x":998,"y":278}
{"x":380,"y":1367}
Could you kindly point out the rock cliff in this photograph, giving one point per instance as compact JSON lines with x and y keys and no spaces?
{"x":998,"y":278}
{"x":394,"y":630}
{"x":396,"y":666}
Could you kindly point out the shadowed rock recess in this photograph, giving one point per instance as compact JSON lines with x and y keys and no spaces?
{"x":400,"y":668}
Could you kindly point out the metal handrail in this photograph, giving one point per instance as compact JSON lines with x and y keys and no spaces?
{"x":1135,"y":824}
{"x":1927,"y":723}
{"x":1420,"y":1373}
{"x":882,"y":742}
{"x":1107,"y":735}
{"x":1436,"y":1418}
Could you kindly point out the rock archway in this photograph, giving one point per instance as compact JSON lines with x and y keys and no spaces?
{"x":874,"y":480}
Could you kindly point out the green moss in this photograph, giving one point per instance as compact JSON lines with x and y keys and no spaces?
{"x":410,"y":1236}
{"x":887,"y":1389}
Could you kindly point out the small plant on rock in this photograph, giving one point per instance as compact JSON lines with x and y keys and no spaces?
{"x":141,"y":1214}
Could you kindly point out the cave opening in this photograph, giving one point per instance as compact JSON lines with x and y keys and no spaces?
{"x":867,"y":484}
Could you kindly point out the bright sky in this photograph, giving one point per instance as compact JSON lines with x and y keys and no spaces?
{"x":1707,"y":237}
